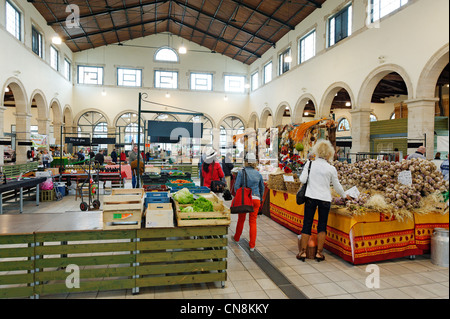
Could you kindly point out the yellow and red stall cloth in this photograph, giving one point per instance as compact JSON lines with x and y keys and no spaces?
{"x":366,"y":238}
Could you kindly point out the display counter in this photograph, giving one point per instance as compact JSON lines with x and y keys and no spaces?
{"x":362,"y":239}
{"x":41,"y":253}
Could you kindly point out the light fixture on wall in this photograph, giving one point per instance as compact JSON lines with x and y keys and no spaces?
{"x":225,"y":98}
{"x":167,"y":95}
{"x":306,"y":113}
{"x":104,"y":92}
{"x":348,"y":104}
{"x":6,"y":89}
{"x":56,"y":40}
{"x":182,"y":49}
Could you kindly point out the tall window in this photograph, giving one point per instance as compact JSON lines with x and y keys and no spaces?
{"x":36,"y":42}
{"x":13,"y":20}
{"x":307,"y":47}
{"x":128,"y":128}
{"x":201,"y":81}
{"x":284,"y":61}
{"x":381,"y":8}
{"x":129,"y":77}
{"x":235,"y":83}
{"x":54,"y":58}
{"x":166,"y":55}
{"x":166,"y":79}
{"x":268,"y":72}
{"x":340,"y":26}
{"x":255,"y":81}
{"x":67,"y":70}
{"x":207,"y":139}
{"x":231,"y":126}
{"x":90,"y":75}
{"x":93,"y":123}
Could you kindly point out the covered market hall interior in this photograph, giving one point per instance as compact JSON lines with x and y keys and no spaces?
{"x":109,"y":111}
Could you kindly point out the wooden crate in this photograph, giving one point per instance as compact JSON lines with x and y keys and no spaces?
{"x":220,"y":217}
{"x":123,"y":211}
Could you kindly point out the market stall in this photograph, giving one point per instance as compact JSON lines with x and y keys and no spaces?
{"x":125,"y":256}
{"x":394,"y":209}
{"x":362,"y":239}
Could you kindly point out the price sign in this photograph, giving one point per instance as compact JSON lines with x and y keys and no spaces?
{"x":288,"y":178}
{"x":353,"y":192}
{"x":405,"y":178}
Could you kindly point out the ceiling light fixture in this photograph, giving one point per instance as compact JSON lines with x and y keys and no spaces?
{"x":6,"y":89}
{"x":56,"y":40}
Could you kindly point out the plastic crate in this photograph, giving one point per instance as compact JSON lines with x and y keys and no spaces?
{"x":181,"y":185}
{"x":157,"y":197}
{"x":47,"y":195}
{"x":193,"y":190}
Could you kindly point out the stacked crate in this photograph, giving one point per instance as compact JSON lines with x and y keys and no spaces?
{"x":123,"y":209}
{"x":159,"y":212}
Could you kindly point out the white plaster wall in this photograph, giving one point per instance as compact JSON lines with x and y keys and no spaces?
{"x":139,"y":53}
{"x":19,"y":61}
{"x":407,"y":38}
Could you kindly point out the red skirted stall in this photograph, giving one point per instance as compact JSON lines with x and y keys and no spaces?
{"x":366,"y":238}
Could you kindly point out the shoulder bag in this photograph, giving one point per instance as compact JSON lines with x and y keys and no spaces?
{"x":301,"y":195}
{"x":243,"y":201}
{"x":216,"y":186}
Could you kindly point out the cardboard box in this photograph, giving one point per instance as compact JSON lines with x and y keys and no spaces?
{"x":159,"y":219}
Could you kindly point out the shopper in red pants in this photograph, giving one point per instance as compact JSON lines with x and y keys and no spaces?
{"x":256,"y":183}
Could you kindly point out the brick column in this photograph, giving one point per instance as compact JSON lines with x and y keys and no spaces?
{"x":421,"y":117}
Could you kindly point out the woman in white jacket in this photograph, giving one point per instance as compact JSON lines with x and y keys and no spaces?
{"x":318,"y":196}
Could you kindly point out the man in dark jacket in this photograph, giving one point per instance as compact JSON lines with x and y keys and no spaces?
{"x":114,"y":156}
{"x":100,"y":158}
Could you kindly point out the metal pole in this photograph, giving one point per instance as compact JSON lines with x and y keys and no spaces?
{"x":139,"y":142}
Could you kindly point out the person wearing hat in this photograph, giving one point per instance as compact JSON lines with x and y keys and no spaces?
{"x":211,"y":169}
{"x":256,"y":183}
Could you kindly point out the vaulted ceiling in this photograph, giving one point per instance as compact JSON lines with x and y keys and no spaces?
{"x":240,"y":29}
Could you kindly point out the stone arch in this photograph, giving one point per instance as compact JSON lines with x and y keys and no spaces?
{"x":56,"y":108}
{"x":20,"y":95}
{"x":278,"y":118}
{"x":205,"y":115}
{"x":329,"y":95}
{"x":68,"y":116}
{"x":300,"y":107}
{"x":253,"y":121}
{"x":264,"y":116}
{"x":372,"y":80}
{"x":41,"y":104}
{"x":430,"y":74}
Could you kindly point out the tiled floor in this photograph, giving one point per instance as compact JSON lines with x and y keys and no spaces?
{"x":399,"y":279}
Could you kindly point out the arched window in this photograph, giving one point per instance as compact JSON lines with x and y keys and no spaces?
{"x":128,"y":128}
{"x":343,"y":125}
{"x":231,"y":126}
{"x":166,"y":54}
{"x":93,"y":124}
{"x":373,"y":118}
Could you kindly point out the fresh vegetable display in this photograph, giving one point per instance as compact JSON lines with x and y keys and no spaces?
{"x":203,"y":205}
{"x":380,"y":188}
{"x":184,"y":197}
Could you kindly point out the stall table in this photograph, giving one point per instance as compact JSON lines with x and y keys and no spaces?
{"x":39,"y":252}
{"x":362,"y":239}
{"x":14,"y":185}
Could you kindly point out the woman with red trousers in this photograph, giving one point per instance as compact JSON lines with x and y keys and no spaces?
{"x":256,"y":183}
